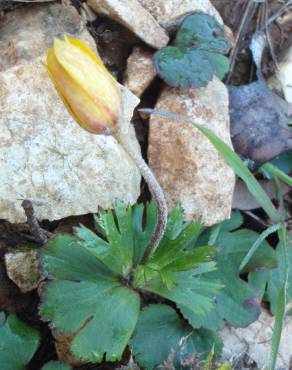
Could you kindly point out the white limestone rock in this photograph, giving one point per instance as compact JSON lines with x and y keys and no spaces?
{"x":135,"y":17}
{"x":170,"y":13}
{"x":256,"y":340}
{"x":27,"y":33}
{"x":189,"y":169}
{"x":22,"y":268}
{"x":140,"y":71}
{"x":44,"y":155}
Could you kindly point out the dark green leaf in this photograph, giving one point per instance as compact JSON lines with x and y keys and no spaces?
{"x":191,"y":289}
{"x":18,"y":344}
{"x":125,"y":236}
{"x":56,"y":365}
{"x":160,"y":332}
{"x":219,"y":63}
{"x":204,"y":31}
{"x":184,"y":68}
{"x":87,"y":300}
{"x":197,"y":55}
{"x":117,"y":252}
{"x":143,"y":233}
{"x":267,"y":282}
{"x":236,"y":302}
{"x":235,"y":221}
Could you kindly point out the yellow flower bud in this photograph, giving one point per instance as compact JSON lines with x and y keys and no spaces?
{"x":88,"y":90}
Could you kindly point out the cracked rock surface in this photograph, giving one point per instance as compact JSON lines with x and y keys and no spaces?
{"x":44,"y":155}
{"x":169,"y":14}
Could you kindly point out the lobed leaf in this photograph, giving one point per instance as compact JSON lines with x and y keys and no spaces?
{"x":18,"y":343}
{"x":86,"y":300}
{"x":236,"y":302}
{"x":160,"y":333}
{"x":197,"y":56}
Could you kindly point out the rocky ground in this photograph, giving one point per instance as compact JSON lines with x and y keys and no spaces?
{"x":68,"y":173}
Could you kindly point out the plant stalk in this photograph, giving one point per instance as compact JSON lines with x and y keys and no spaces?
{"x":156,"y":192}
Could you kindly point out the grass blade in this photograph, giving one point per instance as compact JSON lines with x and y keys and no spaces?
{"x":281,"y":303}
{"x":270,"y":230}
{"x":275,"y":171}
{"x":279,"y":318}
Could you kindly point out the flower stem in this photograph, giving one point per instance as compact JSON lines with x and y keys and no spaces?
{"x":156,"y":192}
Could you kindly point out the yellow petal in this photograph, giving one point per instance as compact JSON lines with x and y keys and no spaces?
{"x":89,"y":73}
{"x":86,"y":49}
{"x":87,"y":113}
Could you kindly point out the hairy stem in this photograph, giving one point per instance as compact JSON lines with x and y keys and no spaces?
{"x":155,"y":191}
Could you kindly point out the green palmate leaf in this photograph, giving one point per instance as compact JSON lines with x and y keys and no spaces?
{"x":176,"y":270}
{"x":143,"y":231}
{"x":197,"y":55}
{"x":203,"y":30}
{"x":218,"y":62}
{"x":56,"y":365}
{"x":236,"y":302}
{"x":117,"y":251}
{"x":268,"y":282}
{"x":124,"y":237}
{"x":160,"y":333}
{"x":174,"y":253}
{"x":191,"y":289}
{"x":18,"y":344}
{"x":177,"y":245}
{"x":183,"y":67}
{"x":86,"y":299}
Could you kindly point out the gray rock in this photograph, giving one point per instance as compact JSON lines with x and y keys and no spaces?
{"x":170,"y":13}
{"x":187,"y":166}
{"x":140,"y":71}
{"x":132,"y":15}
{"x":256,"y":340}
{"x":22,"y":268}
{"x":44,"y":155}
{"x":27,"y":33}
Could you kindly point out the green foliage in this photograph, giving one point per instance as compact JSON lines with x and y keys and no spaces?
{"x":92,"y":291}
{"x":283,"y":162}
{"x":267,"y":282}
{"x":237,"y":302}
{"x":198,"y":54}
{"x":86,"y":298}
{"x":18,"y":343}
{"x":96,"y":296}
{"x":256,"y":190}
{"x":160,"y":333}
{"x":56,"y":365}
{"x":123,"y":239}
